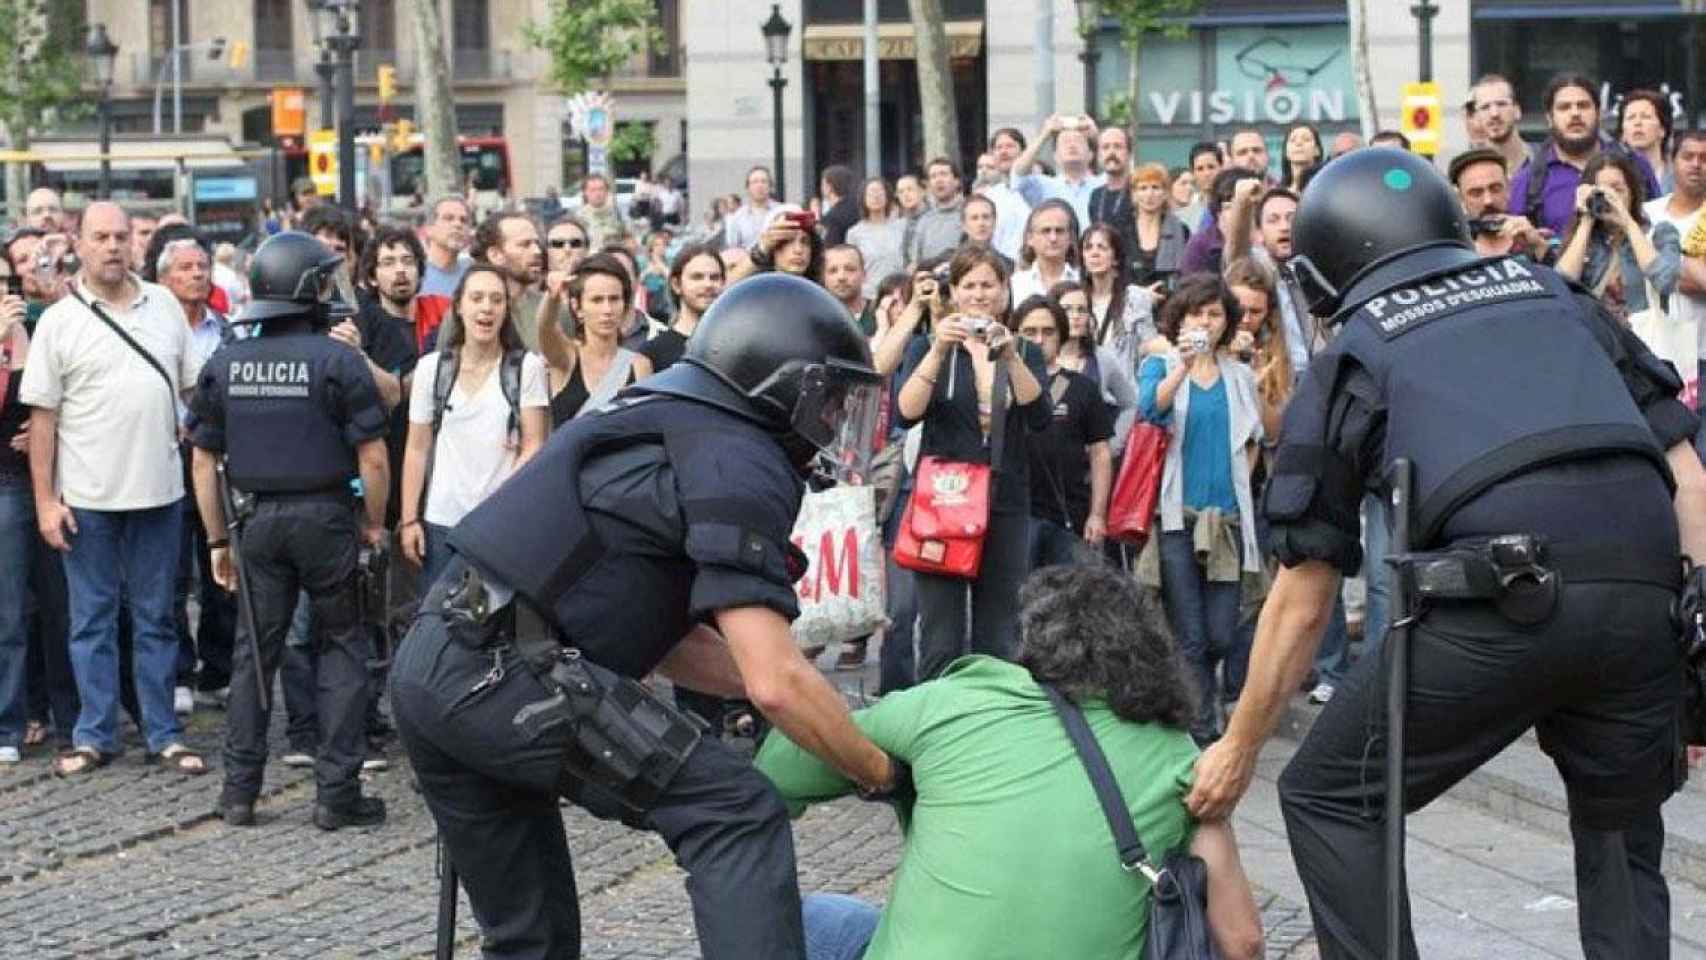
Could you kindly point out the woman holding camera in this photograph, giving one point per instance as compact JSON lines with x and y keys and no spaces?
{"x":1612,"y":250}
{"x":1208,"y":401}
{"x":950,"y":388}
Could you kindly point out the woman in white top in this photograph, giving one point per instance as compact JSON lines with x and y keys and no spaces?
{"x":878,"y":234}
{"x":481,"y":438}
{"x":1051,"y":250}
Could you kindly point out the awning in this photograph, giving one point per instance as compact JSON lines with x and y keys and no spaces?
{"x":73,"y":156}
{"x":895,"y":41}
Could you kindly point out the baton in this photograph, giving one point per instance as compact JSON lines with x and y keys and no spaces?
{"x":245,"y":598}
{"x":1397,"y":689}
{"x":446,"y":947}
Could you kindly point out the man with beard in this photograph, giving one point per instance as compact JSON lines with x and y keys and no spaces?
{"x":509,"y":241}
{"x":1493,"y":102}
{"x":1545,"y":190}
{"x":566,"y":244}
{"x":1111,"y":203}
{"x":1072,"y":136}
{"x":1271,"y":213}
{"x":696,"y":277}
{"x":1479,"y":176}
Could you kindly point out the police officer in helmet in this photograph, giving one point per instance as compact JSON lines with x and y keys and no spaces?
{"x":650,"y":536}
{"x":1555,"y":495}
{"x":295,"y":414}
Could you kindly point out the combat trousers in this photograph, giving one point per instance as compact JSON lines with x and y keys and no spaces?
{"x":1599,"y":681}
{"x":292,"y":545}
{"x":494,"y":797}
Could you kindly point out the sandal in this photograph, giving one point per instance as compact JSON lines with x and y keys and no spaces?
{"x":35,"y":733}
{"x":181,"y":759}
{"x":78,"y":761}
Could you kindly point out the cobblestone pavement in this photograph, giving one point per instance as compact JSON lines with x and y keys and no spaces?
{"x":129,"y":862}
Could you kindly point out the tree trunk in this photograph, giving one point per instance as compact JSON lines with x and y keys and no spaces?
{"x":1134,"y":47}
{"x":1361,"y":75}
{"x":435,"y":110}
{"x":935,"y":82}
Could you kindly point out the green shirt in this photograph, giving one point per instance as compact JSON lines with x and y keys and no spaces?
{"x":1007,"y":852}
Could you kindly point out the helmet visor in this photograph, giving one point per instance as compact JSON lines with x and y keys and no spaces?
{"x":1322,"y":296}
{"x":837,"y":413}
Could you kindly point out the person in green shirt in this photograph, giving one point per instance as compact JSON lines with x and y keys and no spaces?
{"x":1007,"y":852}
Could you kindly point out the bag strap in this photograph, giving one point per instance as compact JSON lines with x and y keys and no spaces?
{"x":443,"y":381}
{"x":166,"y":378}
{"x":998,"y":415}
{"x":509,"y":378}
{"x":1133,"y":857}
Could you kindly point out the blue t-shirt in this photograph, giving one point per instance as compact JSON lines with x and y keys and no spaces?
{"x":1205,"y":448}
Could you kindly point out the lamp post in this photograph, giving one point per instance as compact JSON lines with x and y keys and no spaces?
{"x":776,"y":32}
{"x":1424,"y":12}
{"x":333,"y":24}
{"x":102,"y":53}
{"x":1089,"y":20}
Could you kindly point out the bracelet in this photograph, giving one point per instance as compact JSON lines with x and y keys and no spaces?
{"x":406,"y":524}
{"x":219,"y":544}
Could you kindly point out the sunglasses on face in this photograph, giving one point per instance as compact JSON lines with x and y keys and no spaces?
{"x":573,"y":243}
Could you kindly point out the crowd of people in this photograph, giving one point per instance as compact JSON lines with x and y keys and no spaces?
{"x":1055,"y":305}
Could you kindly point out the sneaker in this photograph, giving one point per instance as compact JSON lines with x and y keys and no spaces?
{"x":183,"y":701}
{"x":375,"y":759}
{"x":10,"y":756}
{"x":366,"y":812}
{"x":1322,"y":693}
{"x":298,"y":757}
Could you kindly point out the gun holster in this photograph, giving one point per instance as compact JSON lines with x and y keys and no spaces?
{"x":1510,"y":570}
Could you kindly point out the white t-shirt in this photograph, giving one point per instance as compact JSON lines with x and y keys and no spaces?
{"x":118,"y":424}
{"x":1683,"y":306}
{"x":473,"y":454}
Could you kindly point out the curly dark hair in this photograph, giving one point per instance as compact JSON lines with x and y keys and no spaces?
{"x":1090,"y":632}
{"x":389,"y":236}
{"x":1195,"y":292}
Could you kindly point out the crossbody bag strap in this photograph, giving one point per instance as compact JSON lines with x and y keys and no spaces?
{"x":166,"y":378}
{"x":998,"y":402}
{"x":1133,"y":856}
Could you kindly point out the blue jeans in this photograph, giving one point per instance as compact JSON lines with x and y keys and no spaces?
{"x":438,"y":553}
{"x":138,"y":551}
{"x":1204,"y":618}
{"x":17,"y":534}
{"x":837,"y":927}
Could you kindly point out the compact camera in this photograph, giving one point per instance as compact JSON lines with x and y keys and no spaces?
{"x":1197,"y":340}
{"x":980,"y":327}
{"x":1599,"y":205}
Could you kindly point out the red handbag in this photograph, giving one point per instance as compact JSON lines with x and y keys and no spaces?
{"x":1131,"y":505}
{"x":946,"y":520}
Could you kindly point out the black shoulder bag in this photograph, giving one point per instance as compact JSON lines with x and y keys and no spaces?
{"x":1178,"y":911}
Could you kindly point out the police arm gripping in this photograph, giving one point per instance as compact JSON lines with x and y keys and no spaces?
{"x":1287,"y":634}
{"x":702,"y":661}
{"x":797,"y":699}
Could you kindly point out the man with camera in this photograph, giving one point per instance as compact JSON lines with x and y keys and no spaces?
{"x":1076,"y":181}
{"x":1483,"y":186}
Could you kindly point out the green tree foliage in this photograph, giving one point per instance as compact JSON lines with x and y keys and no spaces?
{"x":588,"y":39}
{"x":41,"y":56}
{"x":632,"y":143}
{"x":1138,"y":19}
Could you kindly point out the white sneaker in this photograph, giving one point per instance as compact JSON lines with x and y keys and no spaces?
{"x":9,"y":756}
{"x":1322,"y":693}
{"x":183,"y":701}
{"x":298,"y":758}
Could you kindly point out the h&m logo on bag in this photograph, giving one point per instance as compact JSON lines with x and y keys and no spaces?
{"x":948,"y":488}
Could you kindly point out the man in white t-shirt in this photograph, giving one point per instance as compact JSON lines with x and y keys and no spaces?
{"x":107,"y":478}
{"x":1682,"y":209}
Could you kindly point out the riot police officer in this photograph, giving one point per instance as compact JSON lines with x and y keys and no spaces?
{"x":653,"y":520}
{"x":1555,"y":493}
{"x":295,"y":414}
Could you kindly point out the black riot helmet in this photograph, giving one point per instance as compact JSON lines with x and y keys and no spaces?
{"x":1371,"y":219}
{"x":292,"y":276}
{"x":780,"y":351}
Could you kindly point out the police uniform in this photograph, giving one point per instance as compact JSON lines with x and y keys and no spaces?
{"x":631,"y":526}
{"x":288,"y":409}
{"x":1524,"y":410}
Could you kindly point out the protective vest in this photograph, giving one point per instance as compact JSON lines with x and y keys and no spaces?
{"x":281,"y":434}
{"x":626,"y":608}
{"x":1484,"y":372}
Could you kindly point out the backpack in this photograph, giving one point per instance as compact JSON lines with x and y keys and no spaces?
{"x":444,"y":380}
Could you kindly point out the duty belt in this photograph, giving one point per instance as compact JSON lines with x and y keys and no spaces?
{"x":1522,"y":573}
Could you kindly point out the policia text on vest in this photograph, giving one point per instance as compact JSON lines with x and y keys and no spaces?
{"x":1501,"y":281}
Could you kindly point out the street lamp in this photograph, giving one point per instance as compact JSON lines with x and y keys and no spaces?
{"x":102,"y":53}
{"x":776,"y":32}
{"x":1089,"y":22}
{"x":333,"y":26}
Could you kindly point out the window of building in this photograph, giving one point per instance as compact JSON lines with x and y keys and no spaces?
{"x":379,"y":25}
{"x":160,"y":39}
{"x":274,"y":53}
{"x":471,"y":27}
{"x":665,"y":59}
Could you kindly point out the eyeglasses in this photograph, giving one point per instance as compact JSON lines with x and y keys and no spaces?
{"x":573,"y":243}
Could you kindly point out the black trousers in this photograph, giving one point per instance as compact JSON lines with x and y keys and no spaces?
{"x":1599,"y":681}
{"x":290,"y":546}
{"x":959,"y":617}
{"x":494,"y":797}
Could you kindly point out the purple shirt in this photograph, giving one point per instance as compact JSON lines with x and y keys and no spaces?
{"x":1558,"y":193}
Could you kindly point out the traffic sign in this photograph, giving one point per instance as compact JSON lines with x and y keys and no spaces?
{"x":323,"y":161}
{"x":1419,"y":116}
